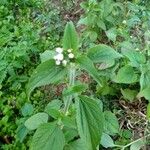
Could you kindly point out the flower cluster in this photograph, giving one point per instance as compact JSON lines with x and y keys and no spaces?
{"x":59,"y":57}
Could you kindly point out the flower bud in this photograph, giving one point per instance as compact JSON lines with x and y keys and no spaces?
{"x":59,"y":50}
{"x":60,"y":57}
{"x":57,"y":62}
{"x":64,"y":62}
{"x":69,"y":50}
{"x":71,"y":55}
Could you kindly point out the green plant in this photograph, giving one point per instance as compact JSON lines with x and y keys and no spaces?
{"x":98,"y":18}
{"x":76,"y":113}
{"x":26,"y":30}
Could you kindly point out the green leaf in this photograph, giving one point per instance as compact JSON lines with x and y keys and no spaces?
{"x":145,"y":93}
{"x":127,"y":134}
{"x":137,"y":145}
{"x":112,"y":34}
{"x":46,"y":73}
{"x":3,"y":74}
{"x":53,"y":108}
{"x":36,"y":120}
{"x":22,"y":131}
{"x":148,"y":112}
{"x":111,"y":125}
{"x":69,"y":121}
{"x":129,"y":94}
{"x":82,"y":21}
{"x":70,"y":39}
{"x":145,"y":80}
{"x":101,"y":24}
{"x":107,"y":141}
{"x":105,"y":65}
{"x":89,"y":121}
{"x":77,"y":145}
{"x":102,"y":53}
{"x":27,"y":110}
{"x":92,"y":35}
{"x":136,"y":58}
{"x":126,"y":75}
{"x":48,"y":136}
{"x":78,"y":88}
{"x":70,"y":134}
{"x":47,"y":55}
{"x":86,"y":64}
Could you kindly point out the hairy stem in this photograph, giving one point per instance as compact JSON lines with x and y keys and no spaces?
{"x":71,"y":74}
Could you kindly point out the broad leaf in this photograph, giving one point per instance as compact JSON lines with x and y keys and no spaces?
{"x":101,"y":24}
{"x":126,"y":75}
{"x":102,"y":53}
{"x":70,"y":39}
{"x":78,"y":88}
{"x":53,"y":108}
{"x":76,"y":145}
{"x":136,"y":58}
{"x":89,"y":121}
{"x":27,"y":110}
{"x":46,"y":73}
{"x":137,"y":145}
{"x":145,"y":93}
{"x":86,"y":64}
{"x":148,"y":112}
{"x":112,"y":34}
{"x":36,"y":120}
{"x":48,"y":137}
{"x":129,"y":94}
{"x":107,"y":141}
{"x":105,"y":65}
{"x":145,"y":77}
{"x":47,"y":55}
{"x":70,"y":134}
{"x":69,"y":121}
{"x":111,"y":125}
{"x":22,"y":131}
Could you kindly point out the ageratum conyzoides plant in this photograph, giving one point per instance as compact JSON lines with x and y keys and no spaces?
{"x":77,"y":120}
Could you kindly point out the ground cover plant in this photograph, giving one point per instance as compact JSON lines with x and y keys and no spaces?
{"x":74,"y":75}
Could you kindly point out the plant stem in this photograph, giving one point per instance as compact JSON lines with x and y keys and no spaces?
{"x":123,"y":148}
{"x":71,"y":74}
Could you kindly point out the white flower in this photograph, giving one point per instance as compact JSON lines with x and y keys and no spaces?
{"x":131,"y":36}
{"x":59,"y":50}
{"x":59,"y":57}
{"x":71,"y":55}
{"x":64,"y":62}
{"x":57,"y":62}
{"x":69,"y":50}
{"x":124,"y":21}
